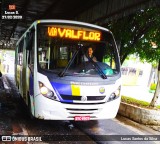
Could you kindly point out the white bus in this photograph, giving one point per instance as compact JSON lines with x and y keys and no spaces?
{"x":54,"y":79}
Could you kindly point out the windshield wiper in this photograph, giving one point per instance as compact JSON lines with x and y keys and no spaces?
{"x":61,"y":74}
{"x":103,"y":75}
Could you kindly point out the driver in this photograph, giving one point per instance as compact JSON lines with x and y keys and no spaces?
{"x":89,"y":55}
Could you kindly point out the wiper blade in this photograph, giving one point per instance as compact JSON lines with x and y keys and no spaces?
{"x":61,"y":74}
{"x":103,"y":75}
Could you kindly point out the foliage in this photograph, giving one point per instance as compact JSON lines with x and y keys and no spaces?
{"x":139,"y":103}
{"x":153,"y":86}
{"x":134,"y":101}
{"x":137,"y":33}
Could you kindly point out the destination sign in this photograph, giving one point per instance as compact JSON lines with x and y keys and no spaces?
{"x":74,"y":34}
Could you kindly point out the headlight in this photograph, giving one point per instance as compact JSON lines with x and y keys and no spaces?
{"x":115,"y":94}
{"x":46,"y":92}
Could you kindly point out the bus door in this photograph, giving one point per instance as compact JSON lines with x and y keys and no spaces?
{"x":27,"y":70}
{"x":18,"y":66}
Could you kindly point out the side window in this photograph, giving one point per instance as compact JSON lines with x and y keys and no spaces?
{"x":20,"y":52}
{"x":31,"y":54}
{"x":30,"y":47}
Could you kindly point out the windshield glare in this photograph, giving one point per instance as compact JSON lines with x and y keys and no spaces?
{"x":76,"y":57}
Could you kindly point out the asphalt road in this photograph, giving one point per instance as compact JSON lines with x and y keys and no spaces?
{"x":14,"y":120}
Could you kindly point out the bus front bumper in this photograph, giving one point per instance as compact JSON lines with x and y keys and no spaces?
{"x":54,"y":110}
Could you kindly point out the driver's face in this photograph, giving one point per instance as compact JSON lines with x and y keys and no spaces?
{"x":90,"y":51}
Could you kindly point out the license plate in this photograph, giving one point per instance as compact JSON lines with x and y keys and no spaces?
{"x":82,"y":118}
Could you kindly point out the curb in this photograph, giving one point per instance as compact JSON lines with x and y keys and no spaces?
{"x":141,"y":115}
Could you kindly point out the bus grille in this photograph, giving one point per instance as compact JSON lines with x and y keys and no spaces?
{"x":75,"y":111}
{"x":78,"y":98}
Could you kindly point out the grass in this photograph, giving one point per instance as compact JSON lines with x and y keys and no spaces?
{"x":158,"y":106}
{"x":136,"y":102}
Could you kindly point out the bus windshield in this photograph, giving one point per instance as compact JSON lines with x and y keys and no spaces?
{"x":76,"y":50}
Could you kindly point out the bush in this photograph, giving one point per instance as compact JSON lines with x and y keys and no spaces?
{"x":136,"y":102}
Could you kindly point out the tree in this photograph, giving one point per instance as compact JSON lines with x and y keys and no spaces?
{"x":140,"y":33}
{"x":157,"y":92}
{"x":136,"y":32}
